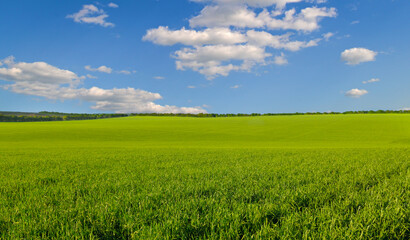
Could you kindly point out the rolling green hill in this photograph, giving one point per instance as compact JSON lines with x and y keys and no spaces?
{"x":279,"y":177}
{"x":384,"y":130}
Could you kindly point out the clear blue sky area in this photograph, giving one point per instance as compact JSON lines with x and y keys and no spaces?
{"x":220,"y":56}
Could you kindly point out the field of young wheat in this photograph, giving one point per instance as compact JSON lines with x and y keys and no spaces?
{"x":279,"y":177}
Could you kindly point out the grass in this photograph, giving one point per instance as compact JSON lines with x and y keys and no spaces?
{"x":281,"y":177}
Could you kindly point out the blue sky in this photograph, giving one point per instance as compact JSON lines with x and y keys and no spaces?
{"x":222,"y":56}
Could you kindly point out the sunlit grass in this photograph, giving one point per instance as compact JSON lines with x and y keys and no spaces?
{"x":294,"y":177}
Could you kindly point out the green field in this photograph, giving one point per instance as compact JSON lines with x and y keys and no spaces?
{"x":280,"y":177}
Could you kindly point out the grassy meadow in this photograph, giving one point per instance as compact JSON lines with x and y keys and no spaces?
{"x":279,"y":177}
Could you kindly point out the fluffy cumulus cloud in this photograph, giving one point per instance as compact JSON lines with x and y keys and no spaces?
{"x":265,"y":39}
{"x":164,"y":36}
{"x":92,"y":15}
{"x":253,"y":3}
{"x":241,"y":16}
{"x":37,"y":72}
{"x":356,"y":93}
{"x":356,"y":56}
{"x":44,"y":80}
{"x":208,"y":60}
{"x":235,"y":35}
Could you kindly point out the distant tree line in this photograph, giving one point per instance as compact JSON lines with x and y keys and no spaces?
{"x":57,"y":116}
{"x":215,"y":115}
{"x":46,"y":117}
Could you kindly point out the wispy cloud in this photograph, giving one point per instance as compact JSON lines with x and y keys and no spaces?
{"x":328,"y":35}
{"x":373,"y":80}
{"x":113,"y":5}
{"x":103,"y":69}
{"x":91,"y":76}
{"x":91,"y":14}
{"x":126,"y":72}
{"x":280,"y":60}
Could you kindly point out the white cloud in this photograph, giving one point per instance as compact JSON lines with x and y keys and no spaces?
{"x":240,"y":16}
{"x":356,"y":56}
{"x":191,"y":87}
{"x":307,"y":20}
{"x":328,"y":35}
{"x":355,"y":22}
{"x":280,"y":60}
{"x":39,"y":72}
{"x":235,"y":35}
{"x":208,"y":60}
{"x":164,"y":36}
{"x":265,"y":39}
{"x":159,"y":77}
{"x":260,"y":3}
{"x":91,"y":14}
{"x":236,"y":86}
{"x":103,"y":69}
{"x":221,"y":53}
{"x":317,"y":1}
{"x":224,"y":36}
{"x":373,"y":80}
{"x":356,"y":93}
{"x":253,"y":3}
{"x":126,"y":72}
{"x":91,"y":76}
{"x":226,"y":16}
{"x":113,"y":5}
{"x":43,"y":80}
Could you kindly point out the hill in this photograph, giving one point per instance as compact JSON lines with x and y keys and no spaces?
{"x":281,"y":177}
